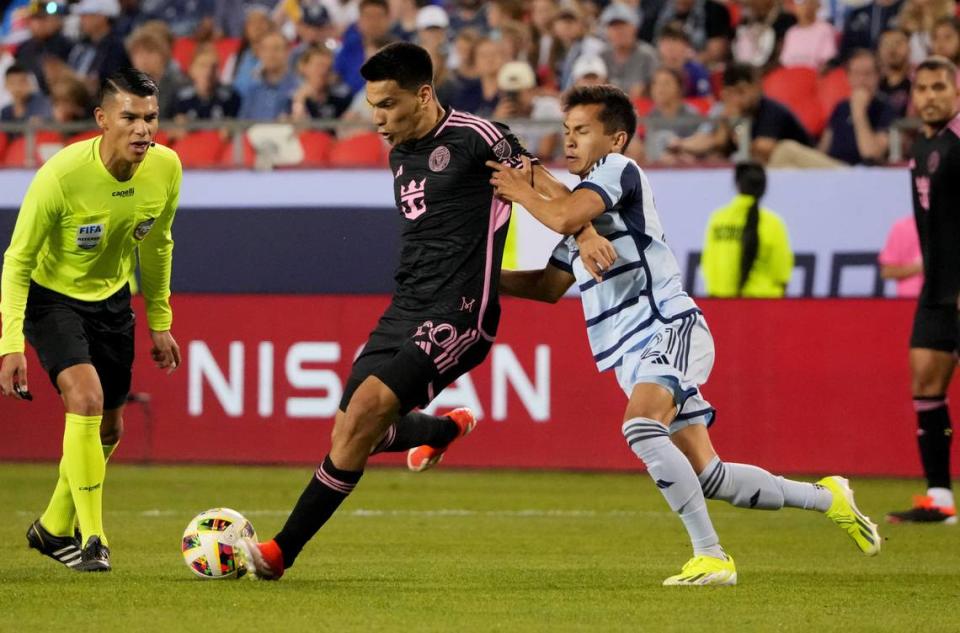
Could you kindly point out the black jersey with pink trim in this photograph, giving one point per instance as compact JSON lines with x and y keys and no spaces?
{"x":935,"y":178}
{"x":454,"y":228}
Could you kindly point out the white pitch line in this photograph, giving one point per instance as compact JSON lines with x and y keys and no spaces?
{"x":439,"y":513}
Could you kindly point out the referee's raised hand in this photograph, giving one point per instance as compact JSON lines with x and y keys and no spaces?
{"x":13,"y":371}
{"x":165,"y":351}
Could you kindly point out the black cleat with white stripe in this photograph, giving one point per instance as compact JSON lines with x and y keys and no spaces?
{"x":95,"y":556}
{"x":63,"y":549}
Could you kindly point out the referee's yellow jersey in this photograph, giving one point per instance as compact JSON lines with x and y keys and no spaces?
{"x":78,"y":231}
{"x":722,"y":252}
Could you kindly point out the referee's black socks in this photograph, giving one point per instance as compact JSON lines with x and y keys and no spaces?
{"x":320,"y":499}
{"x":934,"y":436}
{"x":418,"y":429}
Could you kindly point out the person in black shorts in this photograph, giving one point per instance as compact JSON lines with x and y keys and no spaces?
{"x":935,"y":175}
{"x":445,"y":310}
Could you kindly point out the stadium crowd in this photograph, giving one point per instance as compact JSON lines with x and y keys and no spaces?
{"x":817,"y":85}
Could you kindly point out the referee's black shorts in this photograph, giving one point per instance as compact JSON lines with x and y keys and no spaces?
{"x":67,"y":332}
{"x":417,"y":358}
{"x":936,"y":327}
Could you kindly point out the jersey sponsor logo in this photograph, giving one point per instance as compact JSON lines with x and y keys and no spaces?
{"x":412,"y":199}
{"x":126,"y":193}
{"x":502,"y":150}
{"x":933,"y":162}
{"x":439,"y":158}
{"x":143,"y":228}
{"x":89,"y":235}
{"x":923,"y":191}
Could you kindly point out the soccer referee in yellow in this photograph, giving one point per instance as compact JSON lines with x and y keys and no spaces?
{"x":88,"y":212}
{"x":746,"y":249}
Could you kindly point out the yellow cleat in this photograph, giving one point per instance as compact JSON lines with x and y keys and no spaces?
{"x":844,"y":512}
{"x":705,"y":570}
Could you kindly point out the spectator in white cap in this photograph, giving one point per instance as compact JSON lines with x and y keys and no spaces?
{"x":570,"y":29}
{"x":589,"y":70}
{"x":630,"y":63}
{"x":432,"y":23}
{"x":101,"y":51}
{"x":518,"y":99}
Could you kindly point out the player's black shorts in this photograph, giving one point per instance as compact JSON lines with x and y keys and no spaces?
{"x":67,"y":332}
{"x":936,"y":327}
{"x":417,"y":358}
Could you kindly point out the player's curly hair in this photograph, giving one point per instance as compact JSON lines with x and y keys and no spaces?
{"x":407,"y":64}
{"x":617,"y":114}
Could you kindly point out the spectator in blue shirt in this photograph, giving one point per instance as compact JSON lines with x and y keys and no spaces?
{"x":229,"y":16}
{"x":863,"y":26}
{"x":676,"y":54}
{"x":320,"y":95}
{"x":205,"y":99}
{"x":370,"y":32}
{"x":265,"y":99}
{"x":257,"y":24}
{"x":858,"y":128}
{"x":26,"y":103}
{"x":186,"y":18}
{"x":101,"y":52}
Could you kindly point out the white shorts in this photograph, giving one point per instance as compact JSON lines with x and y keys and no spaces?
{"x":678,"y":356}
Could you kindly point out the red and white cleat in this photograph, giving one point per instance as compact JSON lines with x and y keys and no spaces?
{"x":425,"y":457}
{"x":264,"y":561}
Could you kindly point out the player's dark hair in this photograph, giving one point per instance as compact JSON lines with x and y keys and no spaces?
{"x":617,"y":113}
{"x":738,"y":73}
{"x":16,"y":69}
{"x":751,"y":181}
{"x":407,"y":64}
{"x":128,"y":80}
{"x":936,"y":63}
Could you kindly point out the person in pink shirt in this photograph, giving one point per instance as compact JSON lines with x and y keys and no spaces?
{"x":810,"y":42}
{"x":901,"y":260}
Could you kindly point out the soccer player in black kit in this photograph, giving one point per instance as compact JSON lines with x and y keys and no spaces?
{"x":445,"y":309}
{"x":935,"y":175}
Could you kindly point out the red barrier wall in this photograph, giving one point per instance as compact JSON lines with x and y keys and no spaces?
{"x":800,"y":386}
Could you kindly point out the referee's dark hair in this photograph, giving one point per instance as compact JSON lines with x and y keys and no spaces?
{"x":751,"y":181}
{"x":407,"y":64}
{"x":617,"y":113}
{"x":128,"y":80}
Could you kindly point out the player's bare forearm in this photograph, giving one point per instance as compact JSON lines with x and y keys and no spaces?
{"x":546,"y":285}
{"x":900,"y":271}
{"x":547,"y":184}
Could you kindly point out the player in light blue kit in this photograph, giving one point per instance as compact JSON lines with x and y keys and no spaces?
{"x":643,"y":326}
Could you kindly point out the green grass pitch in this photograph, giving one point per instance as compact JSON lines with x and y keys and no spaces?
{"x":473,"y":551}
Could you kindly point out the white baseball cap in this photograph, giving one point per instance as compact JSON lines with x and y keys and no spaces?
{"x":109,"y":8}
{"x":432,"y":17}
{"x":516,"y":76}
{"x":589,"y":65}
{"x":616,"y":12}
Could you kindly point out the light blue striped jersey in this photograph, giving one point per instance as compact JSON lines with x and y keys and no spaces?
{"x":642,"y":289}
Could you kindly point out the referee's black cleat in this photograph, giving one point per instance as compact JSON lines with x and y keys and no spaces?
{"x":63,"y":549}
{"x":95,"y":556}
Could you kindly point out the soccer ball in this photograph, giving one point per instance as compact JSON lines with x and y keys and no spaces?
{"x":209,"y":543}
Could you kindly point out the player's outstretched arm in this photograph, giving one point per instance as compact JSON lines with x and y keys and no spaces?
{"x":547,"y":285}
{"x":564,"y":212}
